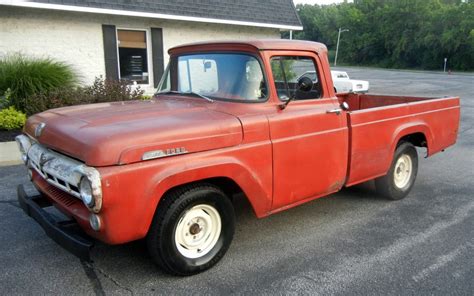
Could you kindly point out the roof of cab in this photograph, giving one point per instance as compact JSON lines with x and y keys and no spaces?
{"x":259,"y":44}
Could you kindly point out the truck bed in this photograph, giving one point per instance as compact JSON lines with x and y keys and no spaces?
{"x":377,"y":123}
{"x":366,"y":101}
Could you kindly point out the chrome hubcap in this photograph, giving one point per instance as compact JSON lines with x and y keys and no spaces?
{"x":403,"y":170}
{"x":198,"y":231}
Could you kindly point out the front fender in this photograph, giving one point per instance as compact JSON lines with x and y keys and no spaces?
{"x":133,"y":192}
{"x":254,"y":187}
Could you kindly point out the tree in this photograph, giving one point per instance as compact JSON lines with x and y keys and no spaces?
{"x":395,"y":33}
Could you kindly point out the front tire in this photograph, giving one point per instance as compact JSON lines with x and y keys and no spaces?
{"x":192,"y":229}
{"x":399,"y":180}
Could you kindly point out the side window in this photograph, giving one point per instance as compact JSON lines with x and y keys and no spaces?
{"x":288,"y":70}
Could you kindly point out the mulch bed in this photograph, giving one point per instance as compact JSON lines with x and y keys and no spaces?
{"x":7,"y":136}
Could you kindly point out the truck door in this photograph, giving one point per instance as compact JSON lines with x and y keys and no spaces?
{"x":309,"y":137}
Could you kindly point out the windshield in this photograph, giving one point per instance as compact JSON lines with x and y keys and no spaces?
{"x":228,"y":76}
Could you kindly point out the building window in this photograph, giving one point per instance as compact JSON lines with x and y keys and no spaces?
{"x":132,"y":51}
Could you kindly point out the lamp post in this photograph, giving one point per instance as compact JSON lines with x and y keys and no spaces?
{"x":337,"y":46}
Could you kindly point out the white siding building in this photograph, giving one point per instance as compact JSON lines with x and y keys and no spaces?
{"x":130,"y":39}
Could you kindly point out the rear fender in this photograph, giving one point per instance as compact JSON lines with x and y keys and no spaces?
{"x":413,"y":128}
{"x":409,"y":129}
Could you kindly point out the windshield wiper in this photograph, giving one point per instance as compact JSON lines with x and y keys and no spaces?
{"x":187,"y":93}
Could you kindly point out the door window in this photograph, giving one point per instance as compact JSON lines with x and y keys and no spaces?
{"x":288,"y":70}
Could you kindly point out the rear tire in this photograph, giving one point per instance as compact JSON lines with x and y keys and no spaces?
{"x":192,"y":229}
{"x":399,"y":180}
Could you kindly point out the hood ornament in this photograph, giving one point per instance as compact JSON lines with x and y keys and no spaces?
{"x":39,"y":129}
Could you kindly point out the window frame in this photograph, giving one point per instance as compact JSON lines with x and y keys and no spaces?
{"x":316,"y":64}
{"x":148,"y":55}
{"x":256,"y":56}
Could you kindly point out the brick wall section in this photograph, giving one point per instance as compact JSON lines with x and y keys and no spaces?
{"x":76,"y":38}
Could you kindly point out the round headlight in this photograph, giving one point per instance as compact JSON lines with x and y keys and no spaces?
{"x":85,"y":189}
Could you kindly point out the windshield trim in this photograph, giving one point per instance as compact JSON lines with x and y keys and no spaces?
{"x":256,"y":56}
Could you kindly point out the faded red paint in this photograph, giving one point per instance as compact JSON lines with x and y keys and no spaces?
{"x":279,"y":158}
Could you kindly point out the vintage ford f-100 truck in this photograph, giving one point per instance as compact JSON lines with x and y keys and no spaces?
{"x":228,"y":117}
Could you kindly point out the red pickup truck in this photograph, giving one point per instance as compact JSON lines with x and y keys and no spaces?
{"x":228,"y":117}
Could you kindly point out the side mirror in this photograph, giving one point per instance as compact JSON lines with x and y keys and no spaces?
{"x":345,"y":106}
{"x":207,"y":65}
{"x":305,"y":84}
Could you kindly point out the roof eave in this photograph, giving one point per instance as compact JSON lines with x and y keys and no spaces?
{"x":146,"y":14}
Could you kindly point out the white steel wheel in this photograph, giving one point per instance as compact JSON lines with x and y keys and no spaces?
{"x":192,"y":229}
{"x":399,"y":180}
{"x":198,"y":231}
{"x":403,"y":170}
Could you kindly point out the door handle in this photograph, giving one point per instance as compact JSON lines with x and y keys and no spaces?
{"x":336,"y":110}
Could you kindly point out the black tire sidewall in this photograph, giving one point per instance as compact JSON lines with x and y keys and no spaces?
{"x":173,"y":258}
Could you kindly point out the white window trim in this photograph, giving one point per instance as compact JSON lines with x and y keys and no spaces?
{"x":148,"y":55}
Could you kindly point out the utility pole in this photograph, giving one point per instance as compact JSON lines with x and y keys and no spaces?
{"x":337,"y":46}
{"x":445,"y":61}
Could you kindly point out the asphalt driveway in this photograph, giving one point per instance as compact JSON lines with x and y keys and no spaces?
{"x":352,"y":242}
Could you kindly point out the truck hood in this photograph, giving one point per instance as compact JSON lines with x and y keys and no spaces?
{"x":121,"y":132}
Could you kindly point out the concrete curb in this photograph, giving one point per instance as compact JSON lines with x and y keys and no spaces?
{"x":9,"y":154}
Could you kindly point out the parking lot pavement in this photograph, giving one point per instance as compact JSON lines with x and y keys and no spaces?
{"x":352,"y":242}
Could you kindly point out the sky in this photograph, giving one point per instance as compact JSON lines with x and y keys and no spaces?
{"x":320,"y":2}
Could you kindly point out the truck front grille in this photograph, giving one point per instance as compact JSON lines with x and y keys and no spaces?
{"x":57,"y":169}
{"x":56,"y":181}
{"x":59,"y":196}
{"x":65,"y":202}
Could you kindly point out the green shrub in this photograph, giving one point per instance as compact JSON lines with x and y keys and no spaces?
{"x":11,"y":119}
{"x":105,"y":90}
{"x":57,"y":98}
{"x":6,"y":99}
{"x":145,"y":97}
{"x":26,"y":76}
{"x":100,"y":91}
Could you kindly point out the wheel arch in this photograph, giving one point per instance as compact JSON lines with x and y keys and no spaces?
{"x":418,"y":134}
{"x":230,"y":177}
{"x":226,"y":184}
